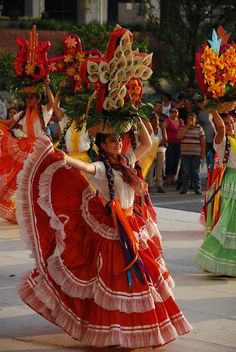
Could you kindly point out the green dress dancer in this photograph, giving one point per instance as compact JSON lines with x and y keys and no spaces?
{"x":217,"y":254}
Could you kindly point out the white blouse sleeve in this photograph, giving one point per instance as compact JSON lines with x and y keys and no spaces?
{"x":131,"y":157}
{"x":100,"y":170}
{"x":17,"y":116}
{"x":46,"y":114}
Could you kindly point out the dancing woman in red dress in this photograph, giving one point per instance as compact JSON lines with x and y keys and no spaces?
{"x":17,"y":136}
{"x":99,"y":272}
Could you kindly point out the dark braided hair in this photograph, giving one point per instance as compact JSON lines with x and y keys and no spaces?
{"x":41,"y":119}
{"x":227,"y":143}
{"x":132,"y":138}
{"x":227,"y":150}
{"x":101,"y":138}
{"x":122,"y":164}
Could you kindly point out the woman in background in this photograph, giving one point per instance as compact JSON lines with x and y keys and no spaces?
{"x":217,"y":253}
{"x":17,"y":135}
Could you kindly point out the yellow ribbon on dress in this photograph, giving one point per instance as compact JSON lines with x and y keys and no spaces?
{"x":149,"y":157}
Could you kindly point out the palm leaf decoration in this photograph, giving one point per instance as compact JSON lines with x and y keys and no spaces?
{"x":120,"y":120}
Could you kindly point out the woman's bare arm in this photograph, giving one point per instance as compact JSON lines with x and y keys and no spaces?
{"x":81,"y":165}
{"x":145,"y":142}
{"x":49,"y":94}
{"x":220,"y":126}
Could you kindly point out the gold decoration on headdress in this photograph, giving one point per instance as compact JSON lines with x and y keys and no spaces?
{"x":33,"y":43}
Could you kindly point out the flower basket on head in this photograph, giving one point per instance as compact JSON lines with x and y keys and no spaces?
{"x":116,"y":78}
{"x":31,"y":62}
{"x":215,"y":68}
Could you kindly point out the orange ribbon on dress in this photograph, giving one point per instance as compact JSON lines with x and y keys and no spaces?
{"x":31,"y":117}
{"x":117,"y":211}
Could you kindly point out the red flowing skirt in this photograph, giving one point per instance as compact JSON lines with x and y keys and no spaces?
{"x":79,"y":281}
{"x":13,"y":152}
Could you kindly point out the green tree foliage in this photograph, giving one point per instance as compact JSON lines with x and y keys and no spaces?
{"x":6,"y":69}
{"x":93,"y":36}
{"x":183,"y":26}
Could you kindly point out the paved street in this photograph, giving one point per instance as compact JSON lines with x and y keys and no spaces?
{"x":209,"y":303}
{"x":173,"y":200}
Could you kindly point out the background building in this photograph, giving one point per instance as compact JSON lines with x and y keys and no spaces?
{"x":80,"y":11}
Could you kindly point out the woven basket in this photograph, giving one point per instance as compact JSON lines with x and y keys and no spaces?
{"x":226,"y":107}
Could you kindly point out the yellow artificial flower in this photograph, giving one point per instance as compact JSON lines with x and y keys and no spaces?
{"x":70,"y":71}
{"x":68,"y":58}
{"x":77,"y":77}
{"x":79,"y":56}
{"x":218,"y":89}
{"x":29,"y":69}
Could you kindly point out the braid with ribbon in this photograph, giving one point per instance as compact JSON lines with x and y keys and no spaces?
{"x":227,"y":150}
{"x":41,"y":119}
{"x":109,"y":172}
{"x":127,"y":238}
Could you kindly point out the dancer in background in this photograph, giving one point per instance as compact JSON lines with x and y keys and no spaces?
{"x":217,"y":253}
{"x":17,"y":135}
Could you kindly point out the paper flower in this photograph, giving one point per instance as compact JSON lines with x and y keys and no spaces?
{"x":215,"y":68}
{"x":31,"y":63}
{"x":70,"y":42}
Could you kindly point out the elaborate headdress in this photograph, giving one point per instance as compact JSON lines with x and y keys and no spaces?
{"x":31,"y":62}
{"x":110,"y":90}
{"x":215,"y":68}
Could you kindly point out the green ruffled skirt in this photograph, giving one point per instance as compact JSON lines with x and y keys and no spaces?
{"x":218,"y":251}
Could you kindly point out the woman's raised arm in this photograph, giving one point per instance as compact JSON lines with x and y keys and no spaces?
{"x":145,"y":142}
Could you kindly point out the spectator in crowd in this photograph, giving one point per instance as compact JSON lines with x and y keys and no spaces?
{"x":158,"y":113}
{"x":3,"y":110}
{"x":172,"y":125}
{"x":192,"y":152}
{"x":183,"y":106}
{"x":166,"y":104}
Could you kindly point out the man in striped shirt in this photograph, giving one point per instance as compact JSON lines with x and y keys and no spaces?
{"x":192,"y":139}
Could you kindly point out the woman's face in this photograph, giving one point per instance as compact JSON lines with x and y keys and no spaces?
{"x":158,"y":108}
{"x":12,"y":112}
{"x":31,"y":100}
{"x":229,"y":125}
{"x":174,"y":113}
{"x":155,"y":123}
{"x":112,"y":145}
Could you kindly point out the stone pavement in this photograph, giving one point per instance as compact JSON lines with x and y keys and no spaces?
{"x":209,"y":303}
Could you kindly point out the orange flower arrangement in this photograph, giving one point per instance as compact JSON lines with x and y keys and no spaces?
{"x":215,"y":68}
{"x":219,"y":71}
